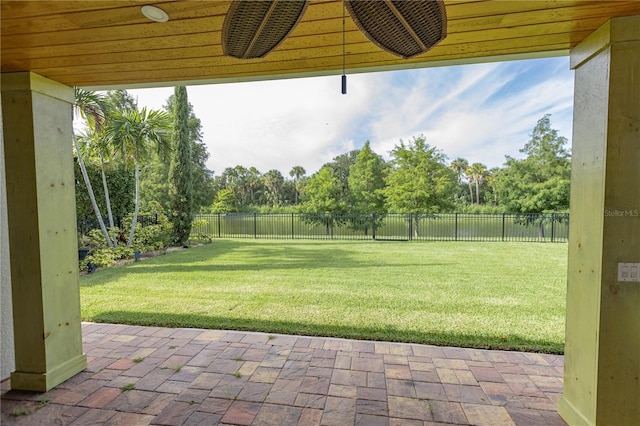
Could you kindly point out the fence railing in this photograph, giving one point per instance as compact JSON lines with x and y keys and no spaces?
{"x":551,"y":227}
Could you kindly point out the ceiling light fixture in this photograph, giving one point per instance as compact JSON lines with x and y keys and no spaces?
{"x":154,"y":13}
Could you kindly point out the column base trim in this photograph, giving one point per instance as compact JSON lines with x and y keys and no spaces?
{"x":42,"y":382}
{"x":570,"y":414}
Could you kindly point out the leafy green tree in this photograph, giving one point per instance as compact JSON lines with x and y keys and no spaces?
{"x":540,"y":182}
{"x":202,"y":178}
{"x":120,"y":100}
{"x":366,"y":184}
{"x":491,"y":183}
{"x":121,"y":183}
{"x":340,"y":167}
{"x":419,"y":181}
{"x":235,"y":179}
{"x":181,"y":169}
{"x":322,"y":199}
{"x":203,"y":191}
{"x":225,"y":202}
{"x":135,"y":133}
{"x":154,"y":177}
{"x":253,"y":184}
{"x":240,"y":183}
{"x":367,"y":181}
{"x":155,"y":182}
{"x":322,"y":193}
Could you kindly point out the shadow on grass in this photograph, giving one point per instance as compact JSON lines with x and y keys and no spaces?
{"x":252,"y":256}
{"x":389,"y":334}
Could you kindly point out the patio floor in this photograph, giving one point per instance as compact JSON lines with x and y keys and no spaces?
{"x":165,"y":376}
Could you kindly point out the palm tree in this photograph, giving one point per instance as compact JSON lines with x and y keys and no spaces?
{"x":468,"y":174}
{"x":137,"y":130}
{"x":91,"y":106}
{"x":253,"y":183}
{"x":459,"y":165}
{"x":478,"y":171}
{"x":297,"y":172}
{"x":490,"y":178}
{"x":273,"y":181}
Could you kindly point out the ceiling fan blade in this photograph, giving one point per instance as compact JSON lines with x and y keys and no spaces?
{"x":404,"y":28}
{"x":252,"y":29}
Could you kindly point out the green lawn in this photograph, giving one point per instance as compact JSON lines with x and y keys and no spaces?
{"x":493,"y":295}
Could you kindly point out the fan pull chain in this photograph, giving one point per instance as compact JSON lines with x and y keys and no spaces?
{"x":344,"y":75}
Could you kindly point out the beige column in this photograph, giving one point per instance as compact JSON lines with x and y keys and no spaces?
{"x":602,"y":352}
{"x":37,"y":127}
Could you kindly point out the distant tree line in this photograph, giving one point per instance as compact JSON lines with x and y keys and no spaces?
{"x":417,"y":178}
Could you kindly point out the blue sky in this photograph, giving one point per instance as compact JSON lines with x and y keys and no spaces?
{"x":479,"y":112}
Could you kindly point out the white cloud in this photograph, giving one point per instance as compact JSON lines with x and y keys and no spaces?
{"x":479,"y":112}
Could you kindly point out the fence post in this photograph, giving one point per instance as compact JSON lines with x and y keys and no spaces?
{"x":331,"y":222}
{"x":503,"y":226}
{"x":218,"y":224}
{"x":292,"y":226}
{"x":373,"y":225}
{"x":553,"y":226}
{"x":456,"y":236}
{"x":410,"y":226}
{"x":255,"y":226}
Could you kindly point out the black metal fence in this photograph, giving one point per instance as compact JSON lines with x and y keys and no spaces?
{"x":86,"y":224}
{"x":549,"y":227}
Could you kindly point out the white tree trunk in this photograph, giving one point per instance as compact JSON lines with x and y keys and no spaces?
{"x":107,"y":199}
{"x":106,"y":192}
{"x":87,"y":182}
{"x":135,"y":210}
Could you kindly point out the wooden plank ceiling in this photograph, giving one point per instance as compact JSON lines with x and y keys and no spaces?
{"x":109,"y":43}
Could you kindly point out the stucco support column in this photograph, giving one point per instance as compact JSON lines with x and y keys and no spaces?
{"x":602,"y":352}
{"x":41,"y":216}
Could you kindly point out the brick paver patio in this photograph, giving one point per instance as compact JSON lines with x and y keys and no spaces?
{"x":164,"y":376}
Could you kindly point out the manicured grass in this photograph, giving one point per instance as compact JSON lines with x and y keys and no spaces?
{"x":493,"y":295}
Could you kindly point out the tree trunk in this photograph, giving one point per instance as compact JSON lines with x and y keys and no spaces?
{"x":541,"y":229}
{"x":87,"y":182}
{"x":470,"y":192}
{"x":477,"y":192}
{"x":135,"y":210}
{"x":107,"y":198}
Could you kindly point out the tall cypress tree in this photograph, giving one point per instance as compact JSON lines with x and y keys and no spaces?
{"x":180,"y":172}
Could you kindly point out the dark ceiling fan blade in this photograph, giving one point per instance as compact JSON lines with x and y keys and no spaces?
{"x":404,"y":28}
{"x":252,"y":29}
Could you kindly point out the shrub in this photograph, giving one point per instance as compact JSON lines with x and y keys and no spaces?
{"x":152,"y":237}
{"x":196,"y":230}
{"x":102,"y":257}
